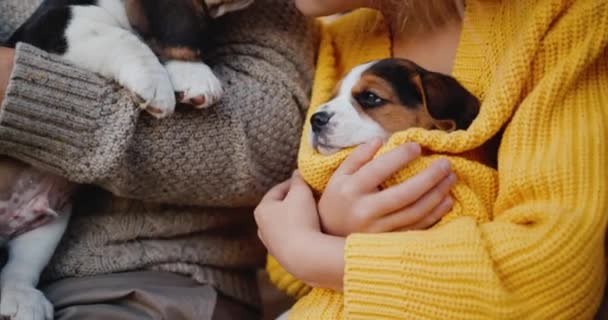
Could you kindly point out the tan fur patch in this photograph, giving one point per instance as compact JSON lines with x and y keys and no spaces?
{"x":336,"y":90}
{"x":137,"y":17}
{"x":392,"y":116}
{"x":442,"y":124}
{"x":181,"y":53}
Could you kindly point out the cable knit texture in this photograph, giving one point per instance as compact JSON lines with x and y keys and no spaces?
{"x":524,"y":241}
{"x":182,"y":187}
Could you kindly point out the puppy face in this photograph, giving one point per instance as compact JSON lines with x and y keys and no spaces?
{"x":382,"y":97}
{"x":175,"y":28}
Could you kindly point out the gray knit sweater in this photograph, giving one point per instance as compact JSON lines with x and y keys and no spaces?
{"x":179,"y":190}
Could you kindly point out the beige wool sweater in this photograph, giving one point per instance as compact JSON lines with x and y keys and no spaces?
{"x":175,"y":194}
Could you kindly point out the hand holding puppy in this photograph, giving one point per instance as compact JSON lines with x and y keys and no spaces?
{"x":289,"y":221}
{"x":289,"y":227}
{"x":353,"y":203}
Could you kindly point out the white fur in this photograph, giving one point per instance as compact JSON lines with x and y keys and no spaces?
{"x":29,"y":253}
{"x":347,"y":127}
{"x":100,"y":40}
{"x":195,"y":79}
{"x":284,"y":316}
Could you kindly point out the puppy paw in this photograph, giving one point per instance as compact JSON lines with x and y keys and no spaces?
{"x":195,"y":83}
{"x":21,"y":302}
{"x":153,"y":85}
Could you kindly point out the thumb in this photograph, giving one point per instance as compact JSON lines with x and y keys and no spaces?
{"x":277,"y":193}
{"x":299,"y":189}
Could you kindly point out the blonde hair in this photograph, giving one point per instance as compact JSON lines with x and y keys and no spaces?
{"x":421,"y":14}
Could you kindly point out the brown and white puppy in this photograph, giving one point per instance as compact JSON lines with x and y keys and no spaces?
{"x":379,"y":98}
{"x":152,"y":47}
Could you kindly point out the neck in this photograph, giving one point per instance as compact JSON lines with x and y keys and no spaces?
{"x":433,"y":48}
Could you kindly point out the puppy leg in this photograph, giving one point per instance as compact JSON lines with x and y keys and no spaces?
{"x":29,"y":253}
{"x":97,"y":41}
{"x":195,"y":82}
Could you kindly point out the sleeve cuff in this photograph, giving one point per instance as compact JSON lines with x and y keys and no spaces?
{"x":285,"y":281}
{"x":54,"y":115}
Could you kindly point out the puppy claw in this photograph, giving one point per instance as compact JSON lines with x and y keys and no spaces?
{"x":154,"y":87}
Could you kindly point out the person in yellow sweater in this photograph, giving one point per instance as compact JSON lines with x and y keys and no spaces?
{"x":522,"y":239}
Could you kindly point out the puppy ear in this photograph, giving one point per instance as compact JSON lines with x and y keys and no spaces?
{"x":218,"y":8}
{"x":137,"y":16}
{"x":447,"y":102}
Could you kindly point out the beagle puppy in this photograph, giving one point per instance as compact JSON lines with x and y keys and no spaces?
{"x":152,"y":47}
{"x":379,"y":98}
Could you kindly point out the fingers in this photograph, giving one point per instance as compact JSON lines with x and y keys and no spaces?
{"x":359,"y":157}
{"x":433,"y":198}
{"x":407,"y":192}
{"x":298,"y":189}
{"x":421,"y":215}
{"x":419,"y":211}
{"x":372,"y":174}
{"x":278,"y":192}
{"x":261,"y":238}
{"x":431,"y":219}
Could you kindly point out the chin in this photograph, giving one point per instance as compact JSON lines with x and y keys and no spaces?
{"x":320,"y":8}
{"x":327,"y":151}
{"x":309,"y":8}
{"x":322,"y":148}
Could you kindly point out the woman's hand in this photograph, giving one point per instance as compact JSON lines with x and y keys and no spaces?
{"x":6,"y":67}
{"x":353,"y":201}
{"x":289,"y":227}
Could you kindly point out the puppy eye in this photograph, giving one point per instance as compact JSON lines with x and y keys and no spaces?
{"x":368,"y":99}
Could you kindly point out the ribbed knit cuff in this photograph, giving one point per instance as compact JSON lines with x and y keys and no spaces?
{"x":55,"y":116}
{"x":284,"y":281}
{"x":366,"y":262}
{"x":428,"y":274}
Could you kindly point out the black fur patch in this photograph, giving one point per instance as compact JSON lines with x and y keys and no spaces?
{"x":446,"y":98}
{"x":395,"y":73}
{"x":172,"y":23}
{"x":176,"y":23}
{"x":45,"y":29}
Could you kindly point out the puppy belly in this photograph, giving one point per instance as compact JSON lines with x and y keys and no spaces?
{"x":30,"y":198}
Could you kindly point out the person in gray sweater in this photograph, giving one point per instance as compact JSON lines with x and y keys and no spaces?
{"x":165,"y":229}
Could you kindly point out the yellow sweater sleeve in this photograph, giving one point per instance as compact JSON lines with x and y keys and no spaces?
{"x":284,"y":281}
{"x":541,"y":256}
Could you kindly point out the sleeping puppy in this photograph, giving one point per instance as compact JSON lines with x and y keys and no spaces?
{"x":152,"y":47}
{"x":382,"y":97}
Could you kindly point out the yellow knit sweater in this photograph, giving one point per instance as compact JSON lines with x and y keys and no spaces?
{"x":525,"y":241}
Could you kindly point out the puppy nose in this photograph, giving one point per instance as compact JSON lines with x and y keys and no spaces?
{"x":319,"y":120}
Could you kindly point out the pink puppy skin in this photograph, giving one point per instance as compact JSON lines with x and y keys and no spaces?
{"x":29,"y":197}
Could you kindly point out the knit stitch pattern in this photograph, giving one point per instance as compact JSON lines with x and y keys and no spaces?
{"x":524,"y":241}
{"x":182,"y":188}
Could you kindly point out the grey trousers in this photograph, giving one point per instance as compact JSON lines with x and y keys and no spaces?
{"x":142,"y":295}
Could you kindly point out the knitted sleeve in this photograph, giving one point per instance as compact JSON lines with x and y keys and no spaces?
{"x":284,"y":281}
{"x":542,"y":255}
{"x":85,"y":128}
